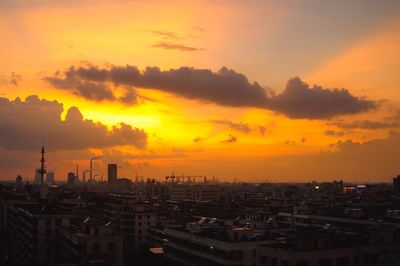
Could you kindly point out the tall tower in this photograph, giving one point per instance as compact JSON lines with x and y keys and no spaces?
{"x":42,"y":170}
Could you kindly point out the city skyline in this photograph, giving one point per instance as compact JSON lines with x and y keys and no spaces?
{"x":293,"y":91}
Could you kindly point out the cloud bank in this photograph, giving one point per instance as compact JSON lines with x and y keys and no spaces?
{"x":25,"y":124}
{"x":224,"y":87}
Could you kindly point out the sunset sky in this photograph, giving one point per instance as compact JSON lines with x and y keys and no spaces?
{"x":292,"y":90}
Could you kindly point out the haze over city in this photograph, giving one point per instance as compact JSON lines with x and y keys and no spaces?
{"x":281,"y":91}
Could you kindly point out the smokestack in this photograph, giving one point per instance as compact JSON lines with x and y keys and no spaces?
{"x":91,"y":166}
{"x":77,"y":172}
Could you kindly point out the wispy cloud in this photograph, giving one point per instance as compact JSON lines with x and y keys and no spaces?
{"x":243,"y":127}
{"x":176,"y":46}
{"x":198,"y":139}
{"x":367,"y":124}
{"x":230,"y":139}
{"x":165,"y":34}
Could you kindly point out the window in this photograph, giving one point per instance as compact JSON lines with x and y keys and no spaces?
{"x":58,"y":222}
{"x":111,"y":246}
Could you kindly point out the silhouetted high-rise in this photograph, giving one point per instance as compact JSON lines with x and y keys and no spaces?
{"x":112,"y":174}
{"x":71,"y":178}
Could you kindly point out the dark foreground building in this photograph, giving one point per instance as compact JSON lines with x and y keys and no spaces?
{"x":176,"y":223}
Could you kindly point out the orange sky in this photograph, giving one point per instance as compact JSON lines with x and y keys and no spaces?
{"x":353,"y":46}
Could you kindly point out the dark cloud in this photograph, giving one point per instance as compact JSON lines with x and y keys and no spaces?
{"x":198,"y":139}
{"x":224,"y":87}
{"x":25,"y":124}
{"x":367,"y":124}
{"x":93,"y":86}
{"x":176,"y":46}
{"x":243,"y":127}
{"x":130,"y":97}
{"x":334,"y":133}
{"x":299,"y":100}
{"x":230,"y":139}
{"x":86,"y":89}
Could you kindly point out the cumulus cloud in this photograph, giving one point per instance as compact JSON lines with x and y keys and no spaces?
{"x":242,"y":127}
{"x":94,"y":87}
{"x":25,"y":124}
{"x":299,"y":100}
{"x":224,"y":87}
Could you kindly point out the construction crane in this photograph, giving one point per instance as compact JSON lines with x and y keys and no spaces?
{"x":181,"y":178}
{"x":170,"y":177}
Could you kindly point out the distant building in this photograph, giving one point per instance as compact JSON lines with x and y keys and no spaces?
{"x":124,"y":184}
{"x":19,"y":183}
{"x":396,"y":182}
{"x":50,"y":177}
{"x":37,"y":176}
{"x":71,"y":179}
{"x":112,"y":175}
{"x":182,"y":192}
